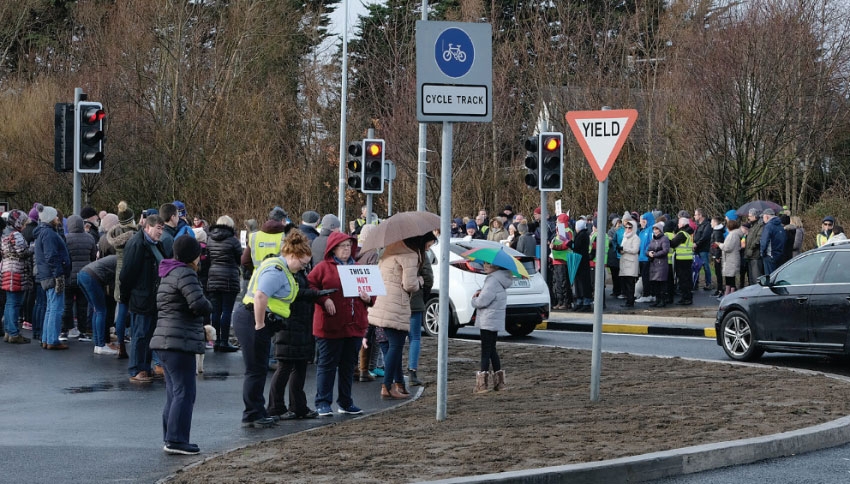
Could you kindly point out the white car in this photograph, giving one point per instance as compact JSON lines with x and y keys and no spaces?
{"x":528,"y":299}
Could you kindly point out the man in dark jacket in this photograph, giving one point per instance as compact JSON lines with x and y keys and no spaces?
{"x":702,"y":244}
{"x":139,"y":281}
{"x":53,"y":266}
{"x":772,"y":241}
{"x":173,"y":227}
{"x":82,"y":249}
{"x":309,"y":220}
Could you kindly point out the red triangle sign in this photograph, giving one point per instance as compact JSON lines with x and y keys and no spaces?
{"x":601,"y":135}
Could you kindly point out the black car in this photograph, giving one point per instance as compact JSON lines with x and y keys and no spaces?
{"x":803,"y":307}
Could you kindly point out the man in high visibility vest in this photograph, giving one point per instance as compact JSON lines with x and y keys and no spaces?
{"x":266,"y":241}
{"x":825,"y":235}
{"x":683,"y":248}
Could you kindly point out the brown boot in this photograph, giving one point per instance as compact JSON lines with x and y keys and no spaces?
{"x":482,"y":382}
{"x":390,"y":393}
{"x":499,"y":380}
{"x":122,"y":350}
{"x":364,"y":375}
{"x":399,"y":387}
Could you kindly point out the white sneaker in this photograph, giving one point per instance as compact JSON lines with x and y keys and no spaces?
{"x":621,"y":296}
{"x":651,"y":299}
{"x":104,"y":350}
{"x":642,"y":299}
{"x":74,"y":333}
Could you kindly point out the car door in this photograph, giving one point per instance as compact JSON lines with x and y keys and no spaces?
{"x":781,"y":308}
{"x":829,"y":303}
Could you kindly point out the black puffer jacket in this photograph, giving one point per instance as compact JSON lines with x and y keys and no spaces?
{"x":294,"y":341}
{"x":224,"y":253}
{"x":181,"y":307}
{"x":81,"y":247}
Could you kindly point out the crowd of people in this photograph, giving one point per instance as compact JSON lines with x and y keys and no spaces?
{"x":155,"y":289}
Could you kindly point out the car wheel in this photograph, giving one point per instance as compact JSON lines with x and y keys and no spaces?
{"x":519,"y":329}
{"x":739,"y":337}
{"x":431,"y":319}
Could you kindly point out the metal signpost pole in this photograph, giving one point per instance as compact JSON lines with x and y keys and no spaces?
{"x":445,"y":234}
{"x":599,"y":294}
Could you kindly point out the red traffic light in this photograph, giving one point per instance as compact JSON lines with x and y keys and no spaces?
{"x":552,"y":143}
{"x":93,"y":115}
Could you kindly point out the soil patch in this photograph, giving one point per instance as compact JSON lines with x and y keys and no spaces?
{"x":545,"y":418}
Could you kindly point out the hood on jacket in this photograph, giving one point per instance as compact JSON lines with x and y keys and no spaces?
{"x":75,"y":224}
{"x":504,"y":277}
{"x":168,"y":265}
{"x":775,"y":221}
{"x":650,"y":219}
{"x":272,"y":227}
{"x":334,"y":239}
{"x":221,"y":232}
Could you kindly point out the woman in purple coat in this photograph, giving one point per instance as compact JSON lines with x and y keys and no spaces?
{"x":657,"y":252}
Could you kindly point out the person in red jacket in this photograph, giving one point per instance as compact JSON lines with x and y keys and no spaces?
{"x":339,"y":324}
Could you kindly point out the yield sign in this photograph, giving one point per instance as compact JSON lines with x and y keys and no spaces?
{"x":601,"y":135}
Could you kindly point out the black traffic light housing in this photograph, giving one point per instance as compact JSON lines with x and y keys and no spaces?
{"x":63,"y":137}
{"x":532,"y":163}
{"x":355,"y":165}
{"x":373,"y":166}
{"x":88,"y":130}
{"x":551,"y":162}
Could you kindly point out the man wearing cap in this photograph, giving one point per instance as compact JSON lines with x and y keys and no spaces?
{"x":330,"y":224}
{"x":825,"y":235}
{"x":772,"y":241}
{"x":53,"y":265}
{"x":752,"y":251}
{"x":309,"y":220}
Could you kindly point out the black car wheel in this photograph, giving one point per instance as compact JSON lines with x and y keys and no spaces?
{"x":519,"y":329}
{"x":431,"y":319}
{"x":739,"y":338}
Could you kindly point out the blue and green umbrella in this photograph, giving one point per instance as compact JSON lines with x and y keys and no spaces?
{"x":498,"y":257}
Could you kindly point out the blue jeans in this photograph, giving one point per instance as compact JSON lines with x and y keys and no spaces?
{"x":706,"y":266}
{"x":769,"y":265}
{"x":141,"y":327}
{"x":180,"y":390}
{"x":38,"y":311}
{"x":93,"y":292}
{"x":53,"y":317}
{"x":392,"y":357}
{"x":14,"y":302}
{"x":415,"y":336}
{"x":122,"y":313}
{"x":337,"y":359}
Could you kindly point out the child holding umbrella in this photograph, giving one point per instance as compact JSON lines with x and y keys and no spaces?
{"x":490,"y":304}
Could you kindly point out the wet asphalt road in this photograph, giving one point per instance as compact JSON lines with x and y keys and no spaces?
{"x":73,"y":416}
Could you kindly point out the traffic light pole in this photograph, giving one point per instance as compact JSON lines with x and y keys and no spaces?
{"x":78,"y":179}
{"x":544,"y":239}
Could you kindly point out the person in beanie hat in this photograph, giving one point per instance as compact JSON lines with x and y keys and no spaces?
{"x":16,"y":275}
{"x":117,"y":237}
{"x":53,"y":265}
{"x":472,"y":231}
{"x":309,"y":220}
{"x":330,"y":224}
{"x":178,"y":337}
{"x":826,"y":234}
{"x":181,"y":209}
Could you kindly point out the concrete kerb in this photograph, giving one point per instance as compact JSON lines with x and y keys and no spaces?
{"x":330,"y":421}
{"x":631,"y":324}
{"x":687,"y":460}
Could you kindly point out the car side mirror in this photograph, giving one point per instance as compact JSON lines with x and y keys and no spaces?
{"x":764,"y":281}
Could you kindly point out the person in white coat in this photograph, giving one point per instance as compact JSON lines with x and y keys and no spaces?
{"x":731,"y":255}
{"x":629,"y":265}
{"x":489,"y":303}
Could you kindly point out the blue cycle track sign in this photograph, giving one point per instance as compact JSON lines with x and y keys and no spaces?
{"x":454,"y":72}
{"x":454,"y":52}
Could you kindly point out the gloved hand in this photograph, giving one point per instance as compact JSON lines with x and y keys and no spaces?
{"x":60,"y":285}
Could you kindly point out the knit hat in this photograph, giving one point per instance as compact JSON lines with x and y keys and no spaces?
{"x":87,"y":212}
{"x":471,"y":225}
{"x":186,"y":248}
{"x":310,"y":217}
{"x":768,"y":211}
{"x":659,"y":226}
{"x":17,"y":219}
{"x":181,"y":209}
{"x":126,"y":217}
{"x":683,"y":214}
{"x":330,"y":222}
{"x":277,"y":214}
{"x":615,"y":221}
{"x":109,"y":220}
{"x":200,"y":234}
{"x":47,"y":214}
{"x":754,"y":212}
{"x":732,"y":215}
{"x":33,"y":215}
{"x":537,"y":211}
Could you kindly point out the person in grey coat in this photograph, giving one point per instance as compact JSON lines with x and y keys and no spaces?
{"x":657,"y":252}
{"x":526,"y":244}
{"x":489,"y":304}
{"x":82,"y":248}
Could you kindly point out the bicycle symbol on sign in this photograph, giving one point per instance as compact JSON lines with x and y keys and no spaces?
{"x":454,"y":51}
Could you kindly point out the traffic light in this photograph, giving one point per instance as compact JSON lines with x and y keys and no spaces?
{"x":88,"y":129}
{"x":551,"y":162}
{"x":63,"y":137}
{"x":531,"y":162}
{"x":355,"y":165}
{"x":373,"y":166}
